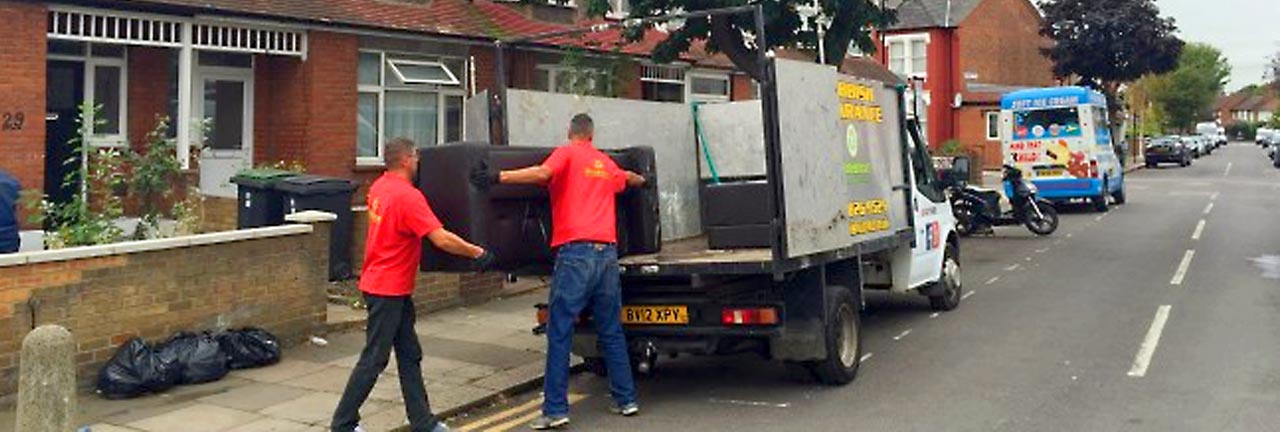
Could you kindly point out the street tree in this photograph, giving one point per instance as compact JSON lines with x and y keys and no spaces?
{"x":1106,"y":43}
{"x":1192,"y":88}
{"x":848,"y":23}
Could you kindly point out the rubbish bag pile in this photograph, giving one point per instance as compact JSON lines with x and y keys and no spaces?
{"x":186,"y":358}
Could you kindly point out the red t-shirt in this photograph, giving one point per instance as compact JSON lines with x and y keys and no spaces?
{"x":583,"y":186}
{"x":399,"y":217}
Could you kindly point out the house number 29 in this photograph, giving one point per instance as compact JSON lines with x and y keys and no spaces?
{"x":13,"y":121}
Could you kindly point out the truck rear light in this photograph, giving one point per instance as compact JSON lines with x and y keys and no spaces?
{"x":749,"y":316}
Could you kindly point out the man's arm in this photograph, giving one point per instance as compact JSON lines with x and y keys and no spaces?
{"x":451,"y":243}
{"x":635,"y":180}
{"x":535,"y":175}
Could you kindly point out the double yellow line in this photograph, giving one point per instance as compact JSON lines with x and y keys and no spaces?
{"x":514,"y":417}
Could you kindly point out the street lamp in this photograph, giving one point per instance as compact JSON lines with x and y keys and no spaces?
{"x":813,"y":10}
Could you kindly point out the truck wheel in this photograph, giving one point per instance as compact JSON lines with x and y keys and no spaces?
{"x":843,"y":339}
{"x":1100,"y":201}
{"x":950,"y":287}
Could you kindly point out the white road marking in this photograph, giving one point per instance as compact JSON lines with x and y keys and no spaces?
{"x":1069,"y":235}
{"x":993,"y":280}
{"x":1228,"y":171}
{"x":1012,"y":267}
{"x":1208,"y":208}
{"x":934,"y":315}
{"x":1149,"y":343}
{"x":968,"y":294}
{"x":1182,"y":268}
{"x":865,"y":357}
{"x":1042,"y":250}
{"x":750,"y":403}
{"x":1057,"y":242}
{"x":903,"y":334}
{"x":1199,"y":230}
{"x":1100,"y":218}
{"x":1214,"y":196}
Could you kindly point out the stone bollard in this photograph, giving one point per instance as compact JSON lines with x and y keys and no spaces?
{"x":47,"y":381}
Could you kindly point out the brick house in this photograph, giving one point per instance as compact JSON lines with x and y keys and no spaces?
{"x":1248,"y":107}
{"x":320,"y":82}
{"x":965,"y":54}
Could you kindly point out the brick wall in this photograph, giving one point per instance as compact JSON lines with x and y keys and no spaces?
{"x":971,"y":131}
{"x":277,"y":283}
{"x":741,"y":87}
{"x":148,"y":91}
{"x":22,"y":91}
{"x":1000,"y":41}
{"x":433,"y":291}
{"x":331,"y":73}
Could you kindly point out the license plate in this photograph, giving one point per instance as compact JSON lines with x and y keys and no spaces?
{"x":662,"y":315}
{"x":1049,"y":173}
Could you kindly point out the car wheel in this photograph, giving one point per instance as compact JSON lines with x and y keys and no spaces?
{"x":1100,"y":202}
{"x":1119,"y":195}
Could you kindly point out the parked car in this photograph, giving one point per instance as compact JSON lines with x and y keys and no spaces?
{"x":1167,"y":150}
{"x":1263,"y":136}
{"x":1195,"y":145}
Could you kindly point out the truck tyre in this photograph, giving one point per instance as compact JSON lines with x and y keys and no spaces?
{"x":843,"y":336}
{"x":1100,"y":202}
{"x":949,"y":285}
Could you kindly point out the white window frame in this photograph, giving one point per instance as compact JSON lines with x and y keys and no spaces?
{"x":116,"y":140}
{"x":443,"y":91}
{"x":554,"y":70}
{"x":992,"y":135}
{"x":691,"y":96}
{"x":396,"y":63}
{"x":907,"y":54}
{"x":654,"y":74}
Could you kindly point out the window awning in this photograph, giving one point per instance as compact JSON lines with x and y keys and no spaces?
{"x":102,"y":26}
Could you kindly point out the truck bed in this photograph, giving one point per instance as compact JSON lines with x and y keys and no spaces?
{"x":693,"y":256}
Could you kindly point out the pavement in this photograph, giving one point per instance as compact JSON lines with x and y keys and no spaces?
{"x":473,"y":356}
{"x":1160,"y":315}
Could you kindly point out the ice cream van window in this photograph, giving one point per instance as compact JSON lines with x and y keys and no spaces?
{"x":1046,"y":123}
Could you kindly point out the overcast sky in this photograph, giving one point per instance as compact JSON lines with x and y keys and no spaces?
{"x":1247,"y":31}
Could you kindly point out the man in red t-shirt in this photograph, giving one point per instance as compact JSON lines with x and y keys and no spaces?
{"x":583,"y":183}
{"x":399,"y":217}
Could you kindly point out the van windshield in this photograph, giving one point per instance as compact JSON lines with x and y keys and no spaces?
{"x":1046,"y":123}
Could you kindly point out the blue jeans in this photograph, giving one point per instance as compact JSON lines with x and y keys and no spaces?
{"x":586,"y":274}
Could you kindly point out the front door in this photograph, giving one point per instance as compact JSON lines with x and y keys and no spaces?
{"x":225,"y":104}
{"x":63,"y":94}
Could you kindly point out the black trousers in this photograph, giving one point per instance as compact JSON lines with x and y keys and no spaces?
{"x":390,"y":326}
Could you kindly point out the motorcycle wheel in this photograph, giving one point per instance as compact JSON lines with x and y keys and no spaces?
{"x":965,"y":216}
{"x":1044,"y":224}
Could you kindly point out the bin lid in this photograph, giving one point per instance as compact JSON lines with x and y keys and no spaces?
{"x":307,"y":184}
{"x":261,"y":177}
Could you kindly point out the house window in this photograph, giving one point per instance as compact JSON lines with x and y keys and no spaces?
{"x":662,"y":83}
{"x":619,"y":9}
{"x":105,"y":84}
{"x":584,"y":81}
{"x":709,"y":88}
{"x":993,"y":125}
{"x":406,"y":95}
{"x":908,"y":55}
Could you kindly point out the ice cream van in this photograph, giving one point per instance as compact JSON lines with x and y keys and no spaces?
{"x":1058,"y":136}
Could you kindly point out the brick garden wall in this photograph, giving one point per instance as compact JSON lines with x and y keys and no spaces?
{"x":272,"y":278}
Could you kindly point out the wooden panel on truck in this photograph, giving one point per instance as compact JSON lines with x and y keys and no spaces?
{"x":841,"y":157}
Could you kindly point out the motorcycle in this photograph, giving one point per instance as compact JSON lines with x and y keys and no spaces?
{"x":977,"y":210}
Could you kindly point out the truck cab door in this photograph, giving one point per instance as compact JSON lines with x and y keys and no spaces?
{"x":932,"y":212}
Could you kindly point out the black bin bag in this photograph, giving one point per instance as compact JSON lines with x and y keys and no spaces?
{"x":249,"y":348}
{"x":137,"y":369}
{"x":199,"y":358}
